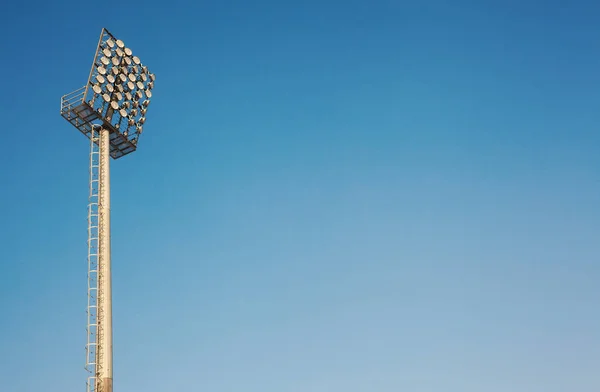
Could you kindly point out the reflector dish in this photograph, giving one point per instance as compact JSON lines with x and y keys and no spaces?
{"x":110,"y":78}
{"x":115,"y":61}
{"x":114,"y":105}
{"x":110,"y":88}
{"x":101,"y":70}
{"x":123,"y":113}
{"x":131,"y":85}
{"x":140,"y":85}
{"x":119,"y":52}
{"x":123,"y":78}
{"x":106,"y":97}
{"x":136,"y":60}
{"x":110,"y":43}
{"x":119,"y":96}
{"x":107,"y":52}
{"x":144,"y":77}
{"x":152,"y":77}
{"x":128,"y":52}
{"x":97,"y":89}
{"x":127,"y":60}
{"x":142,"y":120}
{"x":149,"y":93}
{"x":100,"y":79}
{"x":132,"y":77}
{"x":120,"y":44}
{"x":105,"y":60}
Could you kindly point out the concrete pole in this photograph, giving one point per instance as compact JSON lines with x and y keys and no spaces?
{"x":105,"y":343}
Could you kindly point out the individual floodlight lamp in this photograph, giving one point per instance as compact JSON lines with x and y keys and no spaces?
{"x":111,"y":110}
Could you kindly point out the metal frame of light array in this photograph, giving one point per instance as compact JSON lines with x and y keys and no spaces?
{"x":119,"y":89}
{"x":116,"y":96}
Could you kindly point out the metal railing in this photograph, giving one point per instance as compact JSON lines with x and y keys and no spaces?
{"x":72,"y":100}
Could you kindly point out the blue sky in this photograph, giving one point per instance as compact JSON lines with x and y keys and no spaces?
{"x":328,"y":196}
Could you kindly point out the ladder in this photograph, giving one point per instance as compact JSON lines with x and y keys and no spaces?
{"x":93,"y":316}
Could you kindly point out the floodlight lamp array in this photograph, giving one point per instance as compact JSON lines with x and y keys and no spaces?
{"x":119,"y":88}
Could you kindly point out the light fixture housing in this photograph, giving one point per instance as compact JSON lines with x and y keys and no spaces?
{"x":101,"y":101}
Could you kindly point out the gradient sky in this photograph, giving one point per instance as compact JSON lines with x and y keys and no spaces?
{"x":349,"y":196}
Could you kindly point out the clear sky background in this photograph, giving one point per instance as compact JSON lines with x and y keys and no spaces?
{"x":349,"y":196}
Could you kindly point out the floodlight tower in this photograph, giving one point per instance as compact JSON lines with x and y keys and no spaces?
{"x":111,"y":111}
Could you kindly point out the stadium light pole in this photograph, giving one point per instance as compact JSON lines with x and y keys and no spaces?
{"x":111,"y":111}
